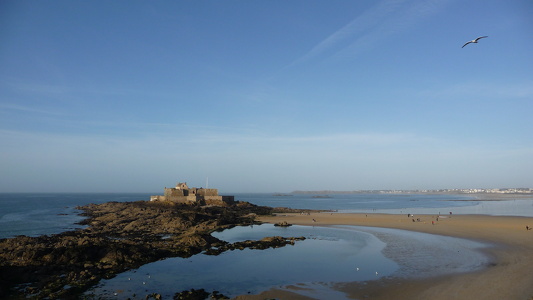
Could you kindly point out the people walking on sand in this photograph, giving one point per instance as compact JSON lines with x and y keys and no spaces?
{"x":528,"y":228}
{"x":432,"y":222}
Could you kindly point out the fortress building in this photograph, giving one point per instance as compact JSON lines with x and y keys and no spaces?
{"x":194,"y":196}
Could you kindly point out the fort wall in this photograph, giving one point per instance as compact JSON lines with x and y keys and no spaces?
{"x":194,"y":196}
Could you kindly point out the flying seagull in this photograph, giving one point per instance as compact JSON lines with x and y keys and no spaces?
{"x":474,"y":41}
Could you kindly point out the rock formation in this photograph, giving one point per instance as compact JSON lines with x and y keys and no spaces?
{"x":119,"y":236}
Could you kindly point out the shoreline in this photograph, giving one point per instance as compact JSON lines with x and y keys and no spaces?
{"x":507,"y":277}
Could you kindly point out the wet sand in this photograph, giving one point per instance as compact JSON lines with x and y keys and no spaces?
{"x":509,"y":276}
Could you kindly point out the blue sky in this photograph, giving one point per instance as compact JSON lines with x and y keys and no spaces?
{"x":265,"y":96}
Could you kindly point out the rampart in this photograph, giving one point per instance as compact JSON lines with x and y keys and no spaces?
{"x":194,"y":196}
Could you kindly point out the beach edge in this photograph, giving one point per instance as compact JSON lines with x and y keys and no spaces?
{"x":511,"y":257}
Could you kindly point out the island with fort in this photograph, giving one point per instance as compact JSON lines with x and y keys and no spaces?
{"x":121,"y":236}
{"x":193,"y":196}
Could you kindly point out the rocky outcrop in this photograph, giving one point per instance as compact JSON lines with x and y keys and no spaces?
{"x":283,"y":224}
{"x":119,"y":236}
{"x":265,"y":243}
{"x":200,"y":294}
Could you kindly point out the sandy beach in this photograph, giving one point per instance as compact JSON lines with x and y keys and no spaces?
{"x":509,"y":276}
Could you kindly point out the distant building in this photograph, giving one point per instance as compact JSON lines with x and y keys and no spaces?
{"x":194,"y":196}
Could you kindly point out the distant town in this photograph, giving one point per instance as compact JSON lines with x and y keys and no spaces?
{"x":440,"y":191}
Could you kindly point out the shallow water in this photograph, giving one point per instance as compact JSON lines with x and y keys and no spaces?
{"x":328,"y":255}
{"x":422,"y":255}
{"x":508,"y":207}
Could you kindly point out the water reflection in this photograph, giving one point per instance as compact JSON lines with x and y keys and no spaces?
{"x":327,"y":255}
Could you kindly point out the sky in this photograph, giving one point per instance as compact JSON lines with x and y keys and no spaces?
{"x":265,"y":96}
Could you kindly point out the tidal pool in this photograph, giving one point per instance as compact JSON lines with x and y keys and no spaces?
{"x":328,"y":255}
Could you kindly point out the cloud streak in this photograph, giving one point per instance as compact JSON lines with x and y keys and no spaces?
{"x":371,"y":27}
{"x":27,"y":109}
{"x":482,"y":90}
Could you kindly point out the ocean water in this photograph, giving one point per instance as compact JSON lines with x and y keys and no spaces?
{"x":38,"y":214}
{"x":328,"y":255}
{"x":399,"y":203}
{"x":359,"y":202}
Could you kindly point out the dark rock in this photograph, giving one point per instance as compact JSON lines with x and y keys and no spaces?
{"x":193,"y":294}
{"x":200,"y":294}
{"x":120,"y":236}
{"x":283,"y":224}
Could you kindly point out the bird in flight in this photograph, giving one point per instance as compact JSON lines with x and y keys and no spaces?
{"x":474,"y":41}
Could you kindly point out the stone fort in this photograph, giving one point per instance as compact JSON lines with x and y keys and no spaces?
{"x":194,"y":196}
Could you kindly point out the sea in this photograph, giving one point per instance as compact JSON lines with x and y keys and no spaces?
{"x":35,"y":214}
{"x":313,"y":267}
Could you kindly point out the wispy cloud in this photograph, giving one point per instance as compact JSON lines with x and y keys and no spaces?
{"x":483,"y":90}
{"x":28,"y":109}
{"x":371,"y":27}
{"x":213,"y":136}
{"x":63,"y":91}
{"x":265,"y":142}
{"x":362,"y":23}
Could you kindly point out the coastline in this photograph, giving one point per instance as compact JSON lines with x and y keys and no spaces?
{"x":497,"y":197}
{"x":508,"y":277}
{"x":132,"y":226}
